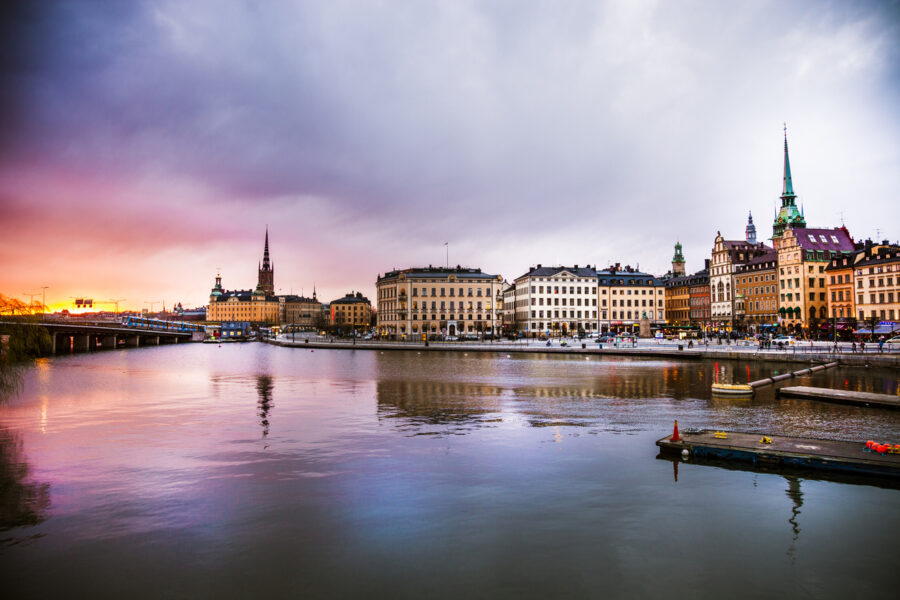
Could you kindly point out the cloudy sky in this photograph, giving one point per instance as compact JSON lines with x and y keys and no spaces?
{"x":144,"y":145}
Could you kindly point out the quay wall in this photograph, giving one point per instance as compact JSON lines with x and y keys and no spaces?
{"x":778,"y":356}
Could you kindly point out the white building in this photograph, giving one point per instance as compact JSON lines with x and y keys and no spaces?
{"x":559,"y":300}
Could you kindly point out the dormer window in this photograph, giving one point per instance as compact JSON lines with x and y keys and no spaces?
{"x":812,"y":238}
{"x":834,"y":239}
{"x":822,"y":237}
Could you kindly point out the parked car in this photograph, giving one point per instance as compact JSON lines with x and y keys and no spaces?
{"x":784,"y":339}
{"x":895,"y":341}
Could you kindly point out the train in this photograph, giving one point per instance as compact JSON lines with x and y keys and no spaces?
{"x":160,"y":325}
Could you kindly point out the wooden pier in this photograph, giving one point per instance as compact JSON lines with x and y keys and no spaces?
{"x":841,"y":396}
{"x":828,"y":455}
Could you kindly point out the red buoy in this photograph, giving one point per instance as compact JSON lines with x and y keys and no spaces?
{"x":869,"y":444}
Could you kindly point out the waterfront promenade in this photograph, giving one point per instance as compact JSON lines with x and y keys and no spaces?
{"x":801,"y":352}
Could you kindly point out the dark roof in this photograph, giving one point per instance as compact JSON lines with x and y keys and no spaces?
{"x":835,"y":240}
{"x":295,"y":298}
{"x":698,"y":278}
{"x":541,"y":271}
{"x":437,"y":273}
{"x":877,"y":255}
{"x":761,"y":262}
{"x":242,"y":295}
{"x":352,"y":299}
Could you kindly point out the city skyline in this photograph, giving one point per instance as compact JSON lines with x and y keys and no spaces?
{"x":145,"y":147}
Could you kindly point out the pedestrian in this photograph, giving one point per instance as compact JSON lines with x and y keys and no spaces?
{"x":881,"y":345}
{"x":862,"y":346}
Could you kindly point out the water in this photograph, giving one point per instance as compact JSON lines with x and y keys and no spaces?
{"x":199,"y":471}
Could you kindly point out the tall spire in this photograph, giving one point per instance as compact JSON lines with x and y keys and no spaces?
{"x":265,"y":264}
{"x":788,"y":190}
{"x":750,"y":231}
{"x":788,"y":216}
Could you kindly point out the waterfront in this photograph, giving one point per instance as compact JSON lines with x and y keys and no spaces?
{"x":250,"y":470}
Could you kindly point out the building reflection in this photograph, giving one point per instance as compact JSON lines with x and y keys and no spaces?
{"x":22,"y":502}
{"x":264,"y":386}
{"x":438,"y":402}
{"x":796,"y":495}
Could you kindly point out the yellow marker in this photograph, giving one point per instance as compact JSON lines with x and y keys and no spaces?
{"x":720,"y":435}
{"x":765,"y":440}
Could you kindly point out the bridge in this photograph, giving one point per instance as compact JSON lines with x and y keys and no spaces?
{"x":84,"y":337}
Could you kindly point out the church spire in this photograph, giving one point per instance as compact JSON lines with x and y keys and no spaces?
{"x":265,"y":264}
{"x":751,"y":230}
{"x":787,"y":193}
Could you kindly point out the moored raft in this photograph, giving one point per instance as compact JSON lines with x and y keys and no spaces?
{"x":772,"y":450}
{"x":732,"y":389}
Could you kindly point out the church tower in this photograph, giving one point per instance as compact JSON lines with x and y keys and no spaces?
{"x":266,"y":282}
{"x":788,"y":216}
{"x":751,"y":230}
{"x":678,"y":261}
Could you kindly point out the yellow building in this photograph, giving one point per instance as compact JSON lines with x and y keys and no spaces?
{"x":241,"y":305}
{"x":437,"y":301}
{"x":261,"y":306}
{"x":353,"y":311}
{"x":803,"y":254}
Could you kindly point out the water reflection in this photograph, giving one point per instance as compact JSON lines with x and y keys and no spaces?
{"x":264,"y":385}
{"x":419,"y":403}
{"x":796,"y":496}
{"x":23,"y":502}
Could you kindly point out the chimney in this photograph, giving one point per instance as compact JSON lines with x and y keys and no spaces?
{"x":706,"y":263}
{"x":539,"y":265}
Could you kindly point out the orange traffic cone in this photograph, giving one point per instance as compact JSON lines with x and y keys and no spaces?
{"x":675,"y":436}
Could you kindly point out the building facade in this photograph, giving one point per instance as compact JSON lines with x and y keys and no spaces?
{"x":700,"y":298}
{"x":839,"y":287}
{"x":756,"y":291}
{"x":556,"y":300}
{"x":438,"y":301}
{"x":876,"y":274}
{"x":678,"y":301}
{"x":626,"y":295}
{"x":353,"y":311}
{"x":803,"y":254}
{"x":727,"y":256}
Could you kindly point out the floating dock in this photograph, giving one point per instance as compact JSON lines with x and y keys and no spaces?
{"x":841,"y":396}
{"x":827,"y":455}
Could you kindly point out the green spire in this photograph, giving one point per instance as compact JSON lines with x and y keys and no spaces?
{"x":788,"y":216}
{"x":679,"y":257}
{"x":787,"y":195}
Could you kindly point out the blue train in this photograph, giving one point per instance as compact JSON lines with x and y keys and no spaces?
{"x":160,"y":325}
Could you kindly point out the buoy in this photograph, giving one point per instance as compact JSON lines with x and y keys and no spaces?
{"x":685,"y":453}
{"x":880,"y":448}
{"x":675,"y":436}
{"x":508,"y":356}
{"x":869,"y":444}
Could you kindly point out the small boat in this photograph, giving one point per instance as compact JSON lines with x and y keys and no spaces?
{"x":732,"y":389}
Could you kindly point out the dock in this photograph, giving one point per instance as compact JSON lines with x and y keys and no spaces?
{"x":827,"y":455}
{"x":841,"y":396}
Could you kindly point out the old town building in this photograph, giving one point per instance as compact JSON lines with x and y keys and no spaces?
{"x":508,"y":310}
{"x":438,"y":301}
{"x":678,"y":301}
{"x":756,"y":291}
{"x":698,"y":287}
{"x":353,"y":311}
{"x":261,"y":306}
{"x":727,"y":256}
{"x":626,"y":295}
{"x":876,"y":275}
{"x":839,"y":287}
{"x":803,"y":254}
{"x":556,"y":300}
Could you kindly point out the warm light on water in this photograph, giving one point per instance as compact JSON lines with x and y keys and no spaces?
{"x":248,"y":471}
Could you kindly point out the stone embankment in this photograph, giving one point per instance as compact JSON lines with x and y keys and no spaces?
{"x":589,"y":348}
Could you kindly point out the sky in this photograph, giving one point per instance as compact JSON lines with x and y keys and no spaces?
{"x":144,"y":146}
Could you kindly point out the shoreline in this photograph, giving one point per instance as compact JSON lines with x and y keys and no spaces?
{"x":782,"y":356}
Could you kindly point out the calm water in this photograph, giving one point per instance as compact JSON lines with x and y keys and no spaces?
{"x":199,"y":471}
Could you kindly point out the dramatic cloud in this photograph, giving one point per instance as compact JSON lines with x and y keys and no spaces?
{"x":145,"y":144}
